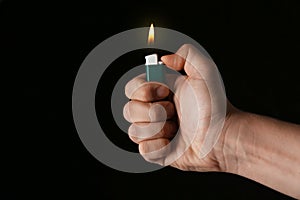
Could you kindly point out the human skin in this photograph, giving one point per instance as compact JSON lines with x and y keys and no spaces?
{"x":260,"y":148}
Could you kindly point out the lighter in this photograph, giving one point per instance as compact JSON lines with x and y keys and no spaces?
{"x":155,"y":70}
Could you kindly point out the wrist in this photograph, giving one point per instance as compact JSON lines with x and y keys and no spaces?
{"x":226,"y":151}
{"x":261,"y":149}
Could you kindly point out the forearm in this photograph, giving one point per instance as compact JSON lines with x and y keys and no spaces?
{"x":264,"y":150}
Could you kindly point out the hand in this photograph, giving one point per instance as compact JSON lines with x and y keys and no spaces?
{"x":211,"y":136}
{"x":198,"y":108}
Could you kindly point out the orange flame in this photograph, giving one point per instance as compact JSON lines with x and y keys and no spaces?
{"x":151,"y":35}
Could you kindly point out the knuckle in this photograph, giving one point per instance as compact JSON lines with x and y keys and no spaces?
{"x":165,"y":142}
{"x":170,"y":109}
{"x":186,"y":46}
{"x":142,"y":93}
{"x":151,"y":151}
{"x":185,"y":49}
{"x":150,"y":92}
{"x":132,"y":86}
{"x":160,"y":111}
{"x":157,"y":112}
{"x":165,"y":130}
{"x":147,"y":92}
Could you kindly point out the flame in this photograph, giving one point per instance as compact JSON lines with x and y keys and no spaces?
{"x":151,"y":35}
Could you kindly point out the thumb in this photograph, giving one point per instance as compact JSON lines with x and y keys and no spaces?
{"x":196,"y":64}
{"x":174,"y":61}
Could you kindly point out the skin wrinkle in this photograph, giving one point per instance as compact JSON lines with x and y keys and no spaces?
{"x":228,"y":147}
{"x":256,"y":147}
{"x":237,"y":147}
{"x":225,"y":136}
{"x":247,"y":142}
{"x":143,"y":90}
{"x":255,"y":158}
{"x":168,"y":131}
{"x":144,"y":150}
{"x":251,"y":146}
{"x":269,"y":160}
{"x":264,"y":152}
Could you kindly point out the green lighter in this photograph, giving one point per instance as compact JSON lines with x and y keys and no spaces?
{"x":155,"y":70}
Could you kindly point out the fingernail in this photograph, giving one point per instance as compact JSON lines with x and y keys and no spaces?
{"x":161,"y":91}
{"x":126,"y":113}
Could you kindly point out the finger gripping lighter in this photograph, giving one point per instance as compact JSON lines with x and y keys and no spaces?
{"x":155,"y":70}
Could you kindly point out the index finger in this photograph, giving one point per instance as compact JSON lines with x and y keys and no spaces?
{"x":139,"y":89}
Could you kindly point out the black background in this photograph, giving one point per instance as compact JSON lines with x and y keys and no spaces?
{"x":255,"y":46}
